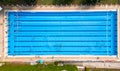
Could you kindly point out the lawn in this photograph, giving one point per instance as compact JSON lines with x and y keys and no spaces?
{"x":46,"y":67}
{"x":38,"y":67}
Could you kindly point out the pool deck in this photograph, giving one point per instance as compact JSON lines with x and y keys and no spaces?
{"x":3,"y":46}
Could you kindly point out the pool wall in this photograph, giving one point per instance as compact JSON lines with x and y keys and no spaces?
{"x":10,"y":58}
{"x":67,"y":11}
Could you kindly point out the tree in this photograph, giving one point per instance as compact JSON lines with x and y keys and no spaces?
{"x":90,"y":2}
{"x":62,"y":2}
{"x":30,"y":2}
{"x":7,"y":2}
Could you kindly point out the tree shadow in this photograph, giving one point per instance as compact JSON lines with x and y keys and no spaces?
{"x":89,"y":2}
{"x":18,"y":2}
{"x":30,"y":2}
{"x":7,"y":2}
{"x":62,"y":2}
{"x":79,"y":2}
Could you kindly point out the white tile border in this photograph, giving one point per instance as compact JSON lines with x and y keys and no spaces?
{"x":61,"y":56}
{"x":59,"y":10}
{"x":118,"y":34}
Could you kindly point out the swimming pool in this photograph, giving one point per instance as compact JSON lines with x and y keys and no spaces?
{"x":62,"y":33}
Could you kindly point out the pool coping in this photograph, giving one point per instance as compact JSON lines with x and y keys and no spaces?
{"x":58,"y":10}
{"x":6,"y":38}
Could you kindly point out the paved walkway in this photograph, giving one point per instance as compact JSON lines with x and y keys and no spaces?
{"x":3,"y":50}
{"x":114,"y":65}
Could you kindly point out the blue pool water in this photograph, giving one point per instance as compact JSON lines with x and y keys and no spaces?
{"x":62,"y":33}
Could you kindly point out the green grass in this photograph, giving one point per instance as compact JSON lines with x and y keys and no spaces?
{"x":44,"y":67}
{"x":39,"y":67}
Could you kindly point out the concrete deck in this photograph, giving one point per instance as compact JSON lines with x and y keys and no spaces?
{"x":3,"y":41}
